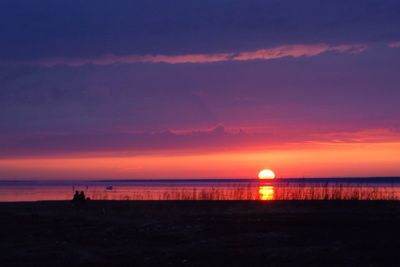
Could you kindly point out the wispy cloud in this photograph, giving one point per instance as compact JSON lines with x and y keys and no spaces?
{"x":395,"y":44}
{"x":294,"y":51}
{"x":300,"y":50}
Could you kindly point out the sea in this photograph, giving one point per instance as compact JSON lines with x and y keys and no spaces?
{"x":374,"y":188}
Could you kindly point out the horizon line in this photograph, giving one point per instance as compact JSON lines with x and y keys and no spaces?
{"x":205,"y":179}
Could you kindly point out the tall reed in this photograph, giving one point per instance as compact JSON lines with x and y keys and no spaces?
{"x":278,"y":191}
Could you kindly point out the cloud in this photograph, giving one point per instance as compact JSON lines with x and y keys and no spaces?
{"x":293,"y":51}
{"x":300,"y":50}
{"x":215,"y":139}
{"x":395,"y":44}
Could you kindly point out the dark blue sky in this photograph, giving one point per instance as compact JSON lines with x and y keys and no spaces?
{"x":48,"y":28}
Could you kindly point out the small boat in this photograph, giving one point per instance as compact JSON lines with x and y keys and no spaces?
{"x":109,"y":187}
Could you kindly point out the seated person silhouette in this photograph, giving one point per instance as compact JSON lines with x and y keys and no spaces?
{"x":79,"y":199}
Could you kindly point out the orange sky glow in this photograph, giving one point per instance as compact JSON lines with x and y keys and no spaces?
{"x":302,"y":160}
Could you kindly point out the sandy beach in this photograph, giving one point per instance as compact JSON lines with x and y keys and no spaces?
{"x":201,"y":233}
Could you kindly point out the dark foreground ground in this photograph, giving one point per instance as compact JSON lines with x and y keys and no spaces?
{"x":203,"y":233}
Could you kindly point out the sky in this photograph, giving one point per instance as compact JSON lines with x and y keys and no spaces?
{"x":156,"y":89}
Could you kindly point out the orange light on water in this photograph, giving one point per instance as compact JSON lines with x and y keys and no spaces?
{"x":266,"y":192}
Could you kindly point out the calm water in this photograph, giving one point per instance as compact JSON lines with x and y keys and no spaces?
{"x":233,"y":189}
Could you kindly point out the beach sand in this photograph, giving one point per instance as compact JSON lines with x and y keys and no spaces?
{"x":201,"y":233}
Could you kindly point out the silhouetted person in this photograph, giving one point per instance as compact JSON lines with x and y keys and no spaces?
{"x":75,"y":199}
{"x":82,"y":199}
{"x":79,"y":199}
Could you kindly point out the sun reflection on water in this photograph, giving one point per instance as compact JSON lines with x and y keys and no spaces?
{"x":266,"y":192}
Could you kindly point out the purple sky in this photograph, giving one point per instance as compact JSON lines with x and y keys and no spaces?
{"x":88,"y":76}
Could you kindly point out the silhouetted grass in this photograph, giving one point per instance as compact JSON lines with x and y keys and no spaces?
{"x":278,"y":191}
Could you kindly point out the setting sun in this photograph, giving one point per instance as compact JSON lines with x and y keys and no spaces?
{"x":266,"y":174}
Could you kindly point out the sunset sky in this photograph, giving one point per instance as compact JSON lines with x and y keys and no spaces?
{"x":199,"y":89}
